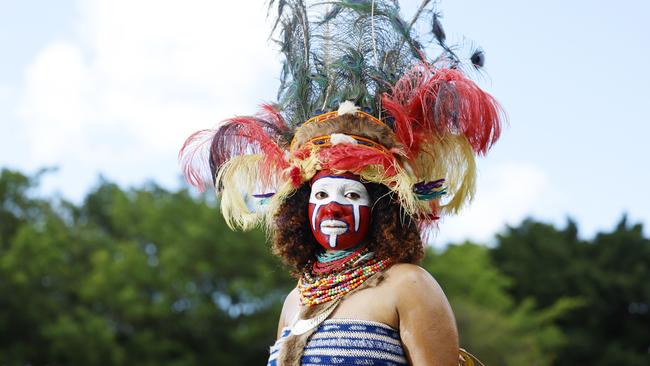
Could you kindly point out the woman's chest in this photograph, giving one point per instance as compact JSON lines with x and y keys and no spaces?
{"x":375,"y":304}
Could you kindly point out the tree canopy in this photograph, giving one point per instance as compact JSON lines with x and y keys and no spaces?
{"x":150,"y":276}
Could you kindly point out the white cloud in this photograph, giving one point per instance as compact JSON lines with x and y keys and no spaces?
{"x":5,"y":92}
{"x":139,"y":78}
{"x":506,"y":194}
{"x":54,"y":105}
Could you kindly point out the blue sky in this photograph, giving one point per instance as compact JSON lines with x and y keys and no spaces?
{"x":114,"y":87}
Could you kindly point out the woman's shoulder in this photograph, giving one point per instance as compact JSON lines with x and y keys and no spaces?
{"x":289,"y":308}
{"x":426,"y":321}
{"x":410,"y":281}
{"x":293,"y":297}
{"x":407,"y":273}
{"x":407,"y":270}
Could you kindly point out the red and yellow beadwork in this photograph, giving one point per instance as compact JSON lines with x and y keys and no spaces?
{"x":314,"y":291}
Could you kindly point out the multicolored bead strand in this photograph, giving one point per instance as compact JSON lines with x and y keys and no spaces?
{"x":351,"y":259}
{"x":314,"y":291}
{"x":335,"y":255}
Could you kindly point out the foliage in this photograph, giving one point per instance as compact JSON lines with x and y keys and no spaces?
{"x":491,"y":324}
{"x":143,"y":276}
{"x":610,"y":274}
{"x":152,"y":277}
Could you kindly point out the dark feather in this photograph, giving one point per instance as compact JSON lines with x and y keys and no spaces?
{"x":281,"y":4}
{"x":478,"y":58}
{"x":437,"y":30}
{"x":331,"y":14}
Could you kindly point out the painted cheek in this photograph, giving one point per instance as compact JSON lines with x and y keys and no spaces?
{"x":312,"y":209}
{"x":353,"y":237}
{"x":364,"y":219}
{"x":356,"y":217}
{"x":314,"y":223}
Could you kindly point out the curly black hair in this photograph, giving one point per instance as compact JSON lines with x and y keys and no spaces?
{"x":392,"y":235}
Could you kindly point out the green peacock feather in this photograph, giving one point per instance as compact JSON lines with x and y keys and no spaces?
{"x":348,"y":50}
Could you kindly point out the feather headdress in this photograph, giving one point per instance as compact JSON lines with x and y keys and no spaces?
{"x":358,"y":94}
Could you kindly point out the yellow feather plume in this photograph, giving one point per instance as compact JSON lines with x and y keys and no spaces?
{"x":238,"y":179}
{"x":450,"y":157}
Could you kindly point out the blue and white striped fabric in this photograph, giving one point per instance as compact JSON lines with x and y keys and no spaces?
{"x":273,"y":358}
{"x":349,"y":342}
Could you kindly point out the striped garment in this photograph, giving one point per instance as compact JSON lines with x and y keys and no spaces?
{"x":344,"y":342}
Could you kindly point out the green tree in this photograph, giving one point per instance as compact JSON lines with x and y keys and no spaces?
{"x":491,"y":324}
{"x":542,"y":259}
{"x":142,"y":276}
{"x":152,"y":277}
{"x":609,"y":274}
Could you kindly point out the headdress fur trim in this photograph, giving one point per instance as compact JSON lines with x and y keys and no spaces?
{"x":348,"y":124}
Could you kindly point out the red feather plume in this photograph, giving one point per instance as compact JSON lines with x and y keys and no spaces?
{"x":428,"y":102}
{"x":236,"y":136}
{"x":353,"y":158}
{"x":194,"y":156}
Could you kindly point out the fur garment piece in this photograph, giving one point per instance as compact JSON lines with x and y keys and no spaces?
{"x":340,"y":138}
{"x":347,"y":107}
{"x":350,"y":125}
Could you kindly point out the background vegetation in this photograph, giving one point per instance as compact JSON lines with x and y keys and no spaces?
{"x":152,"y":277}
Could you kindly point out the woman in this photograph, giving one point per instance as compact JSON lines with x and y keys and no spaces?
{"x":347,"y":188}
{"x":412,"y":306}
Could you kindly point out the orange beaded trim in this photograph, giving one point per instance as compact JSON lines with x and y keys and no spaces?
{"x":335,"y":114}
{"x":324,"y":141}
{"x":333,"y":286}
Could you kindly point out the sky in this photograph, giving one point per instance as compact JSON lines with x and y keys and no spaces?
{"x":113,"y":88}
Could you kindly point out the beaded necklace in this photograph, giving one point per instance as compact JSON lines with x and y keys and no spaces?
{"x":317,"y":288}
{"x":331,"y":264}
{"x":334,"y":255}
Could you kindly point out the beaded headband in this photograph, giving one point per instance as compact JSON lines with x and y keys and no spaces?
{"x":325,"y":141}
{"x":334,"y":115}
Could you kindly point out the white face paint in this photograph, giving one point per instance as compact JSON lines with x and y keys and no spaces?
{"x":336,"y":208}
{"x":333,"y":227}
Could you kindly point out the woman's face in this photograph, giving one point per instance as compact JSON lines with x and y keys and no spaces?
{"x":339,"y":211}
